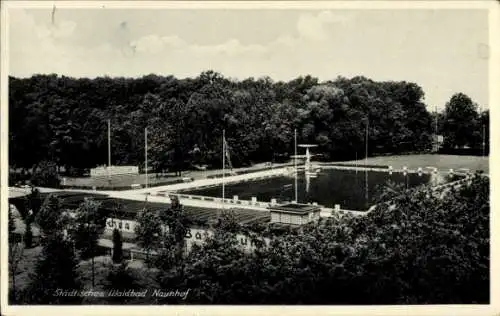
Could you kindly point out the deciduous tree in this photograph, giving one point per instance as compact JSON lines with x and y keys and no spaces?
{"x":461,"y":122}
{"x":148,"y":231}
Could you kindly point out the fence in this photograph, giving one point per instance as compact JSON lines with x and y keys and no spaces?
{"x":390,"y":169}
{"x":233,"y":201}
{"x":113,"y":170}
{"x":454,"y":184}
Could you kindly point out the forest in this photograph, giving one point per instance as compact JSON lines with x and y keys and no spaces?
{"x":64,"y":120}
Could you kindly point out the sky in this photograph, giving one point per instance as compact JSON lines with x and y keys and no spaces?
{"x":443,"y":50}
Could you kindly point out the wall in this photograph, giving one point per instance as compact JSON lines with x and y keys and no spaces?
{"x":194,"y":236}
{"x":296,"y":219}
{"x":217,"y":181}
{"x":113,"y":170}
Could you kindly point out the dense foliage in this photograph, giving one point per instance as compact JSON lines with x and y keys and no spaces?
{"x":45,"y":174}
{"x":148,"y":231}
{"x":51,"y":218}
{"x":120,"y":278}
{"x":177,"y":227}
{"x":89,"y":224}
{"x":63,"y":234}
{"x":12,"y":225}
{"x":463,"y":125}
{"x":420,"y":249}
{"x":64,"y":120}
{"x":15,"y":250}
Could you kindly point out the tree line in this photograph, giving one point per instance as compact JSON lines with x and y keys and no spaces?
{"x":423,"y":248}
{"x":63,"y":120}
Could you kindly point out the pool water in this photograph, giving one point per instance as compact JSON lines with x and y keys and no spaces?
{"x":353,"y":190}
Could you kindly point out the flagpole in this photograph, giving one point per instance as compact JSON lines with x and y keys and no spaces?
{"x":109,"y":146}
{"x":366,"y":144}
{"x":484,"y":139}
{"x":356,"y":161}
{"x":295,"y":164}
{"x":483,"y":136}
{"x":366,"y":161}
{"x":436,"y":129}
{"x":146,"y":154}
{"x":223,"y":165}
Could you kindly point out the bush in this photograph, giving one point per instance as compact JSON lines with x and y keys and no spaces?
{"x":46,"y":175}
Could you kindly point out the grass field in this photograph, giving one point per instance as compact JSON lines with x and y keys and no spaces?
{"x":442,"y":162}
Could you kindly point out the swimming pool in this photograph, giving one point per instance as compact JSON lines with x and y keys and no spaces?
{"x":351,"y":189}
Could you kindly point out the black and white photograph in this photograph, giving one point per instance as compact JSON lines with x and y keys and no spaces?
{"x":254,"y":154}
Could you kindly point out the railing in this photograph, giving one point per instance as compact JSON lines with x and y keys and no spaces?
{"x":328,"y":212}
{"x":235,"y":178}
{"x":229,"y":201}
{"x":455,"y":184}
{"x":420,"y":170}
{"x":216,"y":199}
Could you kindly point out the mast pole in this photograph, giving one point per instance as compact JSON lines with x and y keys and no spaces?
{"x":366,"y":161}
{"x":146,"y":154}
{"x":109,"y":146}
{"x":223,"y":165}
{"x":295,"y":164}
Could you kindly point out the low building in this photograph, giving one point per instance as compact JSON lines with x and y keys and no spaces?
{"x":294,"y":213}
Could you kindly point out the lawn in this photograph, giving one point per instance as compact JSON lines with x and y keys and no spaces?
{"x":442,"y":162}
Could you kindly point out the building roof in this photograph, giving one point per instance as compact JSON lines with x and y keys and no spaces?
{"x":295,"y":208}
